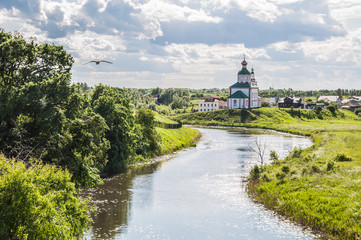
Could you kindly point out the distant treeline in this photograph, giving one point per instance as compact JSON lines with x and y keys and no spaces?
{"x":281,"y":93}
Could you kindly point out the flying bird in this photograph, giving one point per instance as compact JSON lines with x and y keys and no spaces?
{"x":97,"y":62}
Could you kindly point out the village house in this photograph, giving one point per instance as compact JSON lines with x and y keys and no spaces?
{"x":287,"y":102}
{"x":331,"y":99}
{"x":244,"y":93}
{"x":211,"y":103}
{"x":352,"y":103}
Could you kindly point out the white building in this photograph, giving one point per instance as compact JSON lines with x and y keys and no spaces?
{"x":211,"y":103}
{"x":244,"y":93}
{"x":331,"y":99}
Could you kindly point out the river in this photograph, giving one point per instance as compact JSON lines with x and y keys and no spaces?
{"x":199,"y":193}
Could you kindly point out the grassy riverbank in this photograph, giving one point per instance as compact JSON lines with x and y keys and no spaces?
{"x":318,"y":186}
{"x":169,"y":140}
{"x":172,"y":140}
{"x":176,"y":139}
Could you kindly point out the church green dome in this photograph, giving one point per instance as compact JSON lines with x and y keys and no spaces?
{"x":244,"y":71}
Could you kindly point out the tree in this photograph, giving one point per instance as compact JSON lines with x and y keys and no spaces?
{"x":115,"y":109}
{"x":259,"y":148}
{"x":36,"y":99}
{"x":22,"y":62}
{"x":147,"y":144}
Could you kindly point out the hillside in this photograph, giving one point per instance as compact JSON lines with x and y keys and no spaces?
{"x":319,"y":186}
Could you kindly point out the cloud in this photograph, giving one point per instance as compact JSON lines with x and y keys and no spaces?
{"x":237,"y":27}
{"x":200,"y":44}
{"x":166,"y":11}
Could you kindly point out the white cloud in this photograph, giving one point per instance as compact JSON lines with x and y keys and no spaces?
{"x":335,"y":49}
{"x":164,"y":11}
{"x":90,"y":45}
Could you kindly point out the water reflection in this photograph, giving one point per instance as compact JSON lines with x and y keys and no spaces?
{"x":198,"y":194}
{"x":113,"y":201}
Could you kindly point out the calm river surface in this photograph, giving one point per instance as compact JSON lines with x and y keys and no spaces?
{"x":197,"y":194}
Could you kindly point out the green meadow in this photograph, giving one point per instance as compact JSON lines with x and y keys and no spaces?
{"x":319,"y":187}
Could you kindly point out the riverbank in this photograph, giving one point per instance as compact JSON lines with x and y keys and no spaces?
{"x":168,"y":140}
{"x":318,"y":186}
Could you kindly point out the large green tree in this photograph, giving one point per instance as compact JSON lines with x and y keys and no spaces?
{"x":115,"y":109}
{"x":42,"y":115}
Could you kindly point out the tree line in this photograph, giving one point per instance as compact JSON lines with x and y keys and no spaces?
{"x":281,"y":93}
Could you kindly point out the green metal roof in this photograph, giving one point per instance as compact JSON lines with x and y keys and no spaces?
{"x":238,"y":94}
{"x":241,"y":85}
{"x":244,"y":71}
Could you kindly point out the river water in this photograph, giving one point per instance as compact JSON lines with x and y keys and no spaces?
{"x":199,"y":193}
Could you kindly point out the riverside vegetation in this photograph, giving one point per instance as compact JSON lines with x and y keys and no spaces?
{"x":56,"y":139}
{"x":319,"y":186}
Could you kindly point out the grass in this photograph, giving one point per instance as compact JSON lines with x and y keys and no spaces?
{"x":310,"y":186}
{"x":175,"y":139}
{"x":162,"y":119}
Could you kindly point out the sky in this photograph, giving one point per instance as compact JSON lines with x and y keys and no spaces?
{"x":298,"y":44}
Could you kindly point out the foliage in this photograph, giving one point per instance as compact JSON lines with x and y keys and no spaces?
{"x":274,"y":158}
{"x":39,"y":202}
{"x":342,"y":158}
{"x":281,"y":93}
{"x":148,"y":138}
{"x":255,"y":172}
{"x":115,"y":109}
{"x":42,"y":112}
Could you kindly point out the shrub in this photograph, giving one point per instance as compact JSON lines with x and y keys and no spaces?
{"x":285,"y":169}
{"x":315,"y":169}
{"x":341,"y":157}
{"x":296,"y":153}
{"x":273,"y":156}
{"x":255,"y":172}
{"x":330,"y":166}
{"x":39,"y":202}
{"x":266,"y":178}
{"x":281,"y":176}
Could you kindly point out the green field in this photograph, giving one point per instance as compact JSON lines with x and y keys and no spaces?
{"x":320,"y":186}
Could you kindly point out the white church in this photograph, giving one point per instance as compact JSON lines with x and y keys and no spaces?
{"x":244,"y":93}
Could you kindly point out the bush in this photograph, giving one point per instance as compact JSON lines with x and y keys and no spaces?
{"x":264,"y":104}
{"x":285,"y":169}
{"x":281,"y":176}
{"x":342,"y":158}
{"x":296,"y":153}
{"x":255,"y":172}
{"x":266,"y":178}
{"x":39,"y":202}
{"x":330,"y":166}
{"x":315,"y":169}
{"x":273,"y":156}
{"x":332,"y":108}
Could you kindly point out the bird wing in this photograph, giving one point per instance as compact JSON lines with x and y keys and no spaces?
{"x":106,"y":61}
{"x":89,"y":62}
